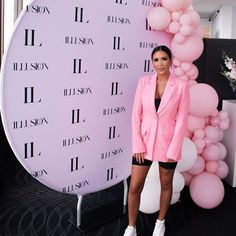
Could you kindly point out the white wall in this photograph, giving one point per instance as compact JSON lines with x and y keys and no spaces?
{"x":223,"y":23}
{"x":234,"y":24}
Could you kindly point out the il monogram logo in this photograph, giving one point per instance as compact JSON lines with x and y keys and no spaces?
{"x":29,"y":150}
{"x":122,"y":2}
{"x":30,"y":38}
{"x":117,"y":44}
{"x":147,"y":66}
{"x":79,"y":15}
{"x":77,"y":67}
{"x":29,"y":95}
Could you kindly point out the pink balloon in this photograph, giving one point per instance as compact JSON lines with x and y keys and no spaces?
{"x":174,"y":27}
{"x":159,"y":18}
{"x":194,"y":16}
{"x":179,"y":38}
{"x":223,"y":169}
{"x":175,"y":16}
{"x":187,"y":4}
{"x":179,"y":71}
{"x":189,"y":50}
{"x":215,"y":121}
{"x":199,"y":133}
{"x":212,"y":133}
{"x":222,"y":150}
{"x":211,"y":166}
{"x":199,"y":150}
{"x":223,"y":115}
{"x":211,"y":153}
{"x":176,"y":62}
{"x":199,"y":143}
{"x":186,"y":30}
{"x":207,"y":190}
{"x":173,"y":5}
{"x":185,"y":66}
{"x":187,"y":178}
{"x":195,"y":123}
{"x":203,"y":100}
{"x":189,"y":134}
{"x":185,"y":19}
{"x":198,"y":166}
{"x":224,"y":124}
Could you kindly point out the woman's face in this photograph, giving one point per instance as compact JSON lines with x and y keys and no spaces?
{"x":161,"y":62}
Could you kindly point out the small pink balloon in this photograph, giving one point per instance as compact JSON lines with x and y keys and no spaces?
{"x":222,"y":150}
{"x":195,"y":123}
{"x":212,"y":133}
{"x":211,"y":166}
{"x":176,"y":62}
{"x":185,"y":66}
{"x":223,"y":169}
{"x":179,"y":38}
{"x":207,"y":120}
{"x":199,"y":143}
{"x":187,"y":178}
{"x":224,"y":124}
{"x":173,"y":5}
{"x":187,"y":4}
{"x":189,"y":50}
{"x":194,"y":16}
{"x":211,"y":153}
{"x":223,"y":115}
{"x":198,"y":166}
{"x":186,"y":30}
{"x":175,"y":16}
{"x":174,"y":27}
{"x":207,"y":190}
{"x":215,"y":113}
{"x":203,"y":100}
{"x":179,"y":71}
{"x":159,"y":18}
{"x":185,"y":19}
{"x":199,"y":133}
{"x":215,"y":121}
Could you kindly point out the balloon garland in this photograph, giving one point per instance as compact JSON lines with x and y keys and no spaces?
{"x":205,"y":122}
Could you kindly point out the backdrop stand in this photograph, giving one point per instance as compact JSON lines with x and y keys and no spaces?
{"x":101,"y":215}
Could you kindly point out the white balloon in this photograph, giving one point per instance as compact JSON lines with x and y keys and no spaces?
{"x":150,"y":198}
{"x":178,"y":182}
{"x":189,"y":156}
{"x":175,"y":198}
{"x":153,"y":173}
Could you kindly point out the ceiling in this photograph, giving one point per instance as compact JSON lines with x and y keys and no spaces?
{"x":206,"y":8}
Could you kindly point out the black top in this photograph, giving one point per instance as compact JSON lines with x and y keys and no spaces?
{"x":157,"y":103}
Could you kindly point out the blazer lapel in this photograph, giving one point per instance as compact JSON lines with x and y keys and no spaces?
{"x":169,"y":89}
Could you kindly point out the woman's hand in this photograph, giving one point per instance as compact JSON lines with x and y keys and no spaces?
{"x":139,"y":157}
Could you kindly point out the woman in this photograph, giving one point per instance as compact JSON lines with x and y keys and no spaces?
{"x":159,"y":119}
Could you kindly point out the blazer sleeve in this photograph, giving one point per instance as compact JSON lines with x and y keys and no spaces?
{"x":138,"y":145}
{"x":175,"y":146}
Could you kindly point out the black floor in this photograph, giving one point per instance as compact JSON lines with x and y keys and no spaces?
{"x":29,"y":208}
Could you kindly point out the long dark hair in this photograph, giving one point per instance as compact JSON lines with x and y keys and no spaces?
{"x":162,"y":48}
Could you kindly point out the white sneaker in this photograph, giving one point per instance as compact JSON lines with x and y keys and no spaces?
{"x":159,"y":229}
{"x":130,"y":231}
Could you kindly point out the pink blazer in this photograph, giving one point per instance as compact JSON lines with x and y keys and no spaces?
{"x":160,"y":134}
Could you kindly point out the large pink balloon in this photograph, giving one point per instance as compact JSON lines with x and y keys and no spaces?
{"x":174,"y":5}
{"x":207,"y":190}
{"x":159,"y":18}
{"x":189,"y":50}
{"x":203,"y":100}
